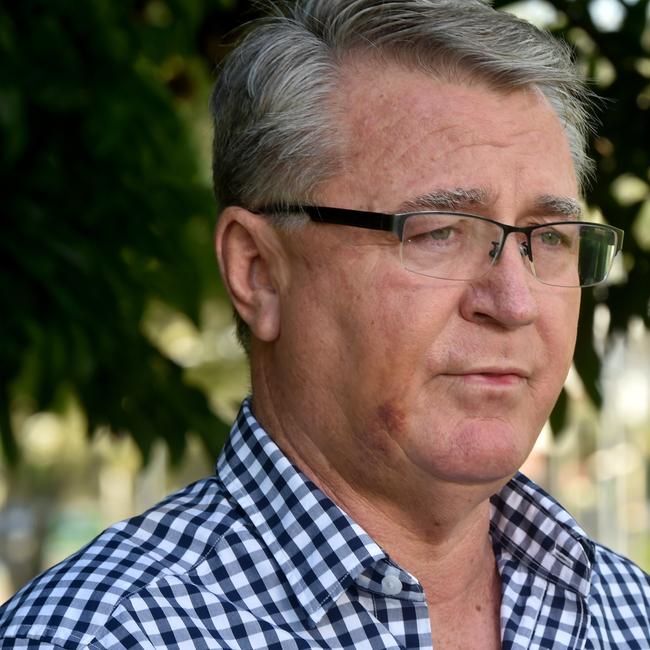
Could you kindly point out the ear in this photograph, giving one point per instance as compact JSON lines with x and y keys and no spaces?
{"x":250,"y":257}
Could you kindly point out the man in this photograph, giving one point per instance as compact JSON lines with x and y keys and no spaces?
{"x":402,"y":245}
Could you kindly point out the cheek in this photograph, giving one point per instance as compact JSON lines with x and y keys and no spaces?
{"x":559,"y":327}
{"x":391,"y":341}
{"x":389,"y":329}
{"x":557,"y":332}
{"x":381,"y":426}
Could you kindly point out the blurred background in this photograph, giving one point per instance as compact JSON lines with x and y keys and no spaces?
{"x":119,"y":370}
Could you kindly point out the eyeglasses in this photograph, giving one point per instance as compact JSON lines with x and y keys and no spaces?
{"x":458,"y":246}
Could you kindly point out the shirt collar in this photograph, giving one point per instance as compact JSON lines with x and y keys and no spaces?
{"x":318,"y":547}
{"x":530,"y":525}
{"x":321,"y":550}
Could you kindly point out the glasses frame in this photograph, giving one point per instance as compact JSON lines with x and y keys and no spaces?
{"x":394,"y":222}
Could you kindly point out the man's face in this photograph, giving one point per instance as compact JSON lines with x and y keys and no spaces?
{"x":392,"y":372}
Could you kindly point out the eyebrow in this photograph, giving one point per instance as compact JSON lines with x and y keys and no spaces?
{"x":460,"y":199}
{"x":455,"y":199}
{"x":558,"y":206}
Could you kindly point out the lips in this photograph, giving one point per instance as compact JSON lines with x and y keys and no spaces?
{"x":492,"y":371}
{"x":497,"y":372}
{"x":493,"y":376}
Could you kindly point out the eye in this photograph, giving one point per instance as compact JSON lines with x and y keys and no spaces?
{"x":444,"y":233}
{"x":550,"y":238}
{"x":441,"y":234}
{"x":553,"y":238}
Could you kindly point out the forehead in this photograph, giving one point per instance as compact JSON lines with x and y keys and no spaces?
{"x":407,"y":134}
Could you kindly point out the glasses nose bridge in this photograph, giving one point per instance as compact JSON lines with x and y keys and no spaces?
{"x":524,"y":247}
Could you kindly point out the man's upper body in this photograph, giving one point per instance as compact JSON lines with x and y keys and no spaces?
{"x":402,"y":243}
{"x":258,"y":557}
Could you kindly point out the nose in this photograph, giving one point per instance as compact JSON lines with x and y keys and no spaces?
{"x":505,"y":295}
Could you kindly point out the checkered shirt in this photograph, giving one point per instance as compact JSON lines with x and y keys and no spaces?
{"x":258,"y":557}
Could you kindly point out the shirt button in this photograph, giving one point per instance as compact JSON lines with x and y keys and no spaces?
{"x":391,"y":585}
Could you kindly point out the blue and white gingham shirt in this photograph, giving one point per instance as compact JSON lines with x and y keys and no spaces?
{"x":258,"y":557}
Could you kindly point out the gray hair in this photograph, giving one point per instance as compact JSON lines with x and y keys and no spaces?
{"x":276,"y":139}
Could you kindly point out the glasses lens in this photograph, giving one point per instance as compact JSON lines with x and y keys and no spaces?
{"x":449,"y":246}
{"x":463,"y":247}
{"x":573,"y":254}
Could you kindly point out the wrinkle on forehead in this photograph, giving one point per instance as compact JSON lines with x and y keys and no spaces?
{"x":379,"y":117}
{"x":401,"y":126}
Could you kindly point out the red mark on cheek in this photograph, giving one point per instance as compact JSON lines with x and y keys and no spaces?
{"x":391,"y":417}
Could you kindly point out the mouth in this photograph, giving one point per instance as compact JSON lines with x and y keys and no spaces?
{"x":492,"y":376}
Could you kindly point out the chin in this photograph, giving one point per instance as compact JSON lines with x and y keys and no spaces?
{"x":494,"y":476}
{"x":481,"y":453}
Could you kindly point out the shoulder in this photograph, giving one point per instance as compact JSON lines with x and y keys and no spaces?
{"x":68,"y":604}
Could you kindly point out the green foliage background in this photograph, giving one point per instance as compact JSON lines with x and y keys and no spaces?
{"x":106,"y":204}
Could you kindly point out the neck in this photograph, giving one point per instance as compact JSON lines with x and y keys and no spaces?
{"x":441,"y":536}
{"x":435,"y":529}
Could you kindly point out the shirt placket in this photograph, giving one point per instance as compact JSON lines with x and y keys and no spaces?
{"x":396,"y":601}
